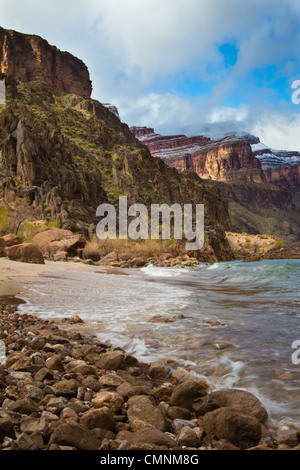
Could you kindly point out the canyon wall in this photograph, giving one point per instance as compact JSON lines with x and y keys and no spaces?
{"x":28,"y":58}
{"x":228,"y":159}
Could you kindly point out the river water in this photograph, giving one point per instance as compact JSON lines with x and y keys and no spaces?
{"x":231,"y":322}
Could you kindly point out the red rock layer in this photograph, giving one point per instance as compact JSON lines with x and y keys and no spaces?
{"x":285,"y":177}
{"x":228,"y":159}
{"x":28,"y":58}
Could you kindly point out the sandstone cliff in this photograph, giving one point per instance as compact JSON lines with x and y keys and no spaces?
{"x":285,"y":177}
{"x":228,"y":159}
{"x":255,"y":181}
{"x":28,"y":57}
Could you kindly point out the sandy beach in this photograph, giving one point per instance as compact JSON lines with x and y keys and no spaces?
{"x":14,"y":274}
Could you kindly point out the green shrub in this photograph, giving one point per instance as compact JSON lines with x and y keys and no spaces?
{"x":5,"y":225}
{"x":28,"y":231}
{"x":53,"y":224}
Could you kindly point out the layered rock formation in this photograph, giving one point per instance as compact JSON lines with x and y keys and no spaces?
{"x":257,"y":182}
{"x":285,"y":177}
{"x":227,"y":159}
{"x":28,"y":57}
{"x":271,"y":158}
{"x":281,"y":168}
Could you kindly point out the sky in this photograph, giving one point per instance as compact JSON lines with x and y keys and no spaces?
{"x":182,"y":66}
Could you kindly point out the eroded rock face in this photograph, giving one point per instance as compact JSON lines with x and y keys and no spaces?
{"x":227,"y":159}
{"x":29,"y":57}
{"x":286,"y":177}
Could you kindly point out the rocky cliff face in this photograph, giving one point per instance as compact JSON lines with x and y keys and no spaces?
{"x":255,"y":181}
{"x":285,"y":177}
{"x":65,"y":155}
{"x":281,"y":168}
{"x":27,"y":58}
{"x":228,"y":159}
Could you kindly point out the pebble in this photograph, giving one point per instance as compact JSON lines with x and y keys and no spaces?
{"x":56,"y":376}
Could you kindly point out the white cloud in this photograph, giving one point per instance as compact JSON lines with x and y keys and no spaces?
{"x":279,"y":131}
{"x":131,"y":46}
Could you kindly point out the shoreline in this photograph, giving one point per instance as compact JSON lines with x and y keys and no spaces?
{"x":151,"y":375}
{"x":14,"y":274}
{"x":62,"y":389}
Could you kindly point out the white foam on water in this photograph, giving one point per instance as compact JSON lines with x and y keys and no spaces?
{"x":156,"y":271}
{"x":119,"y":310}
{"x":232,"y":377}
{"x":214,"y":266}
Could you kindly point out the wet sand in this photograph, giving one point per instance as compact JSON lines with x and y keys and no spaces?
{"x":14,"y":274}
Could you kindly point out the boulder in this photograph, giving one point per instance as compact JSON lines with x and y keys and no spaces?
{"x":128,"y":390}
{"x":66,"y":385}
{"x":55,"y":363}
{"x":33,"y":392}
{"x":190,"y":437}
{"x":111,"y":400}
{"x":288,"y":436}
{"x":142,"y":408}
{"x":182,"y":423}
{"x":111,"y":380}
{"x":91,"y":253}
{"x":55,"y":240}
{"x":11,"y":239}
{"x":98,"y":418}
{"x":150,"y":435}
{"x":232,"y":397}
{"x":92,"y":383}
{"x":234,"y":425}
{"x":114,"y":360}
{"x":56,"y":405}
{"x":68,"y":414}
{"x":6,"y":429}
{"x":175,"y":412}
{"x":2,"y":248}
{"x":25,"y":253}
{"x":24,"y":442}
{"x":186,"y":393}
{"x":80,"y":367}
{"x":32,"y":424}
{"x":75,"y":435}
{"x":21,"y":364}
{"x":25,"y":406}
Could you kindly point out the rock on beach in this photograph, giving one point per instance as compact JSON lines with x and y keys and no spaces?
{"x":65,"y":390}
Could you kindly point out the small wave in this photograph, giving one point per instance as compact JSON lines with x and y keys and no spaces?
{"x":158,"y":271}
{"x":233,"y":374}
